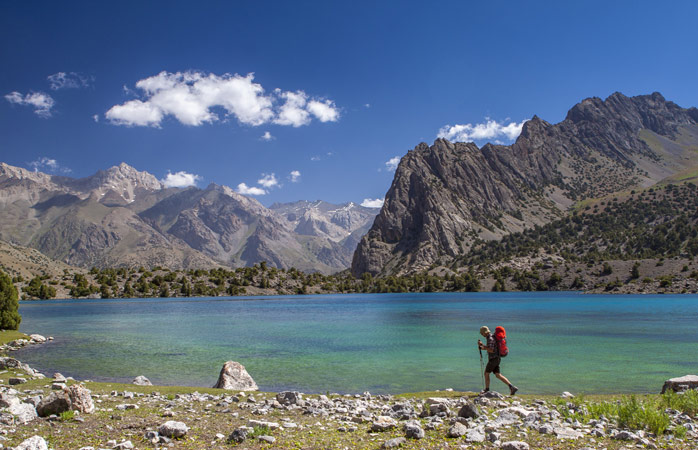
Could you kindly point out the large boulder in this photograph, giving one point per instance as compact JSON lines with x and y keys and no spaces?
{"x":80,"y":398}
{"x":9,"y":363}
{"x":681,"y":383}
{"x":234,"y":377}
{"x":469,"y":411}
{"x":140,"y":380}
{"x":56,"y":403}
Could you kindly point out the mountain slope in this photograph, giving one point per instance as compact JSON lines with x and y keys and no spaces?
{"x":122,"y":217}
{"x":447,"y":196}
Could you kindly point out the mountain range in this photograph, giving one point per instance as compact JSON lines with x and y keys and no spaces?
{"x":447,"y":197}
{"x":444,"y":200}
{"x":124,"y":217}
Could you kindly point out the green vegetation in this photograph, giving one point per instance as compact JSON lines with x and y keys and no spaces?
{"x":9,"y":304}
{"x":657,"y":223}
{"x":7,"y":336}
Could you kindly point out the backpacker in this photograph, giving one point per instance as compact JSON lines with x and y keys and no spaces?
{"x":500,"y":335}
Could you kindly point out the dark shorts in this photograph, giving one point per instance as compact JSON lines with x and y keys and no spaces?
{"x":493,"y":365}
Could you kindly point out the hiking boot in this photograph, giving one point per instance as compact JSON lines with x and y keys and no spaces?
{"x":513,"y":389}
{"x":484,"y":391}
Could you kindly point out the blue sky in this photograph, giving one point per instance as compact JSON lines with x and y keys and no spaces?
{"x":323,"y":95}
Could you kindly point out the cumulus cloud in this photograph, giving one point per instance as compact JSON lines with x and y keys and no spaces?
{"x":293,"y":111}
{"x":96,"y":118}
{"x":70,"y":80}
{"x":267,"y":136}
{"x":268,"y":180}
{"x":295,"y":176}
{"x":392,"y":163}
{"x":180,"y":179}
{"x":325,"y":110}
{"x":246,"y":190}
{"x":48,"y":165}
{"x":491,"y":129}
{"x":42,"y":103}
{"x":190,"y":98}
{"x":373,"y":203}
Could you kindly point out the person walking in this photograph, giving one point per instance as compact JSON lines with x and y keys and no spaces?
{"x":493,"y":360}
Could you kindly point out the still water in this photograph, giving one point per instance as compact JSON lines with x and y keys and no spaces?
{"x":382,"y":343}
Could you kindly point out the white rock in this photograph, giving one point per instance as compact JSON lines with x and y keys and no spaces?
{"x":23,"y":412}
{"x":515,"y":445}
{"x":140,"y":380}
{"x":173,"y":429}
{"x":233,"y":376}
{"x":33,"y":443}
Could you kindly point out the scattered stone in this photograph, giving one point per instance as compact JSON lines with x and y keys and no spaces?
{"x":7,"y":400}
{"x":457,"y":430}
{"x":625,"y":436}
{"x":267,"y":439}
{"x":9,"y":363}
{"x":140,"y":380}
{"x":394,"y":443}
{"x":23,"y":412}
{"x":546,"y":428}
{"x":58,"y":386}
{"x":383,"y":423}
{"x":515,"y":445}
{"x":289,"y":398}
{"x":13,"y":381}
{"x":33,"y":443}
{"x":56,"y":403}
{"x":59,"y":378}
{"x":566,"y":395}
{"x":469,"y":411}
{"x":506,"y":417}
{"x":681,"y":383}
{"x":238,"y":435}
{"x":81,"y":398}
{"x":173,"y":429}
{"x":435,"y":405}
{"x":413,"y":430}
{"x":475,"y":435}
{"x":567,"y":433}
{"x":125,"y":445}
{"x":262,"y":424}
{"x":39,"y":339}
{"x":233,"y":376}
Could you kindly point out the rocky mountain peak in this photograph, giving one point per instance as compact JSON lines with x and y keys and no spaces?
{"x":11,"y":172}
{"x":445,"y":197}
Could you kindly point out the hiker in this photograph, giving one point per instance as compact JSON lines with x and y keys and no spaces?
{"x":493,"y":360}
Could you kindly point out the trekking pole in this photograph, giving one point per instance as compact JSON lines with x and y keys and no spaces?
{"x":482,"y":369}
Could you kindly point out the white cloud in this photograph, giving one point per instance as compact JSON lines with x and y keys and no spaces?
{"x":48,"y":165}
{"x":190,"y":98}
{"x":41,"y":102}
{"x":315,"y":158}
{"x":491,"y":129}
{"x":245,"y":190}
{"x":392,"y":163}
{"x":135,"y":113}
{"x":295,"y":176}
{"x":267,"y":136}
{"x":96,"y":118}
{"x":70,"y":80}
{"x":373,"y":203}
{"x":268,"y":180}
{"x":180,"y":179}
{"x":293,"y":110}
{"x":325,"y":111}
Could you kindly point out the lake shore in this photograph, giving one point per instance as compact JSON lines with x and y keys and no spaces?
{"x":131,"y":416}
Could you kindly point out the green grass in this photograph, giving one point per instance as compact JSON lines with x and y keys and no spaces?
{"x":686,"y":402}
{"x":7,"y":336}
{"x":67,"y":415}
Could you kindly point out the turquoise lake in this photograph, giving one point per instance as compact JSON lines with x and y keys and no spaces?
{"x":385,"y":343}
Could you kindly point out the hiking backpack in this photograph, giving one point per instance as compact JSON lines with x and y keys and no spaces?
{"x":500,"y":335}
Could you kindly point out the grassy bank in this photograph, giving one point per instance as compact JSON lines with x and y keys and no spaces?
{"x":213,"y":415}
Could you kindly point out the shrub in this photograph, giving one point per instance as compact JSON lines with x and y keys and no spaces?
{"x":9,"y":304}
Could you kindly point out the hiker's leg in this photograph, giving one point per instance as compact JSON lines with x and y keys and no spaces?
{"x":487,"y":381}
{"x":503,"y":378}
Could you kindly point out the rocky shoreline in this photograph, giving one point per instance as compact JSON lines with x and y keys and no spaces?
{"x":40,"y":413}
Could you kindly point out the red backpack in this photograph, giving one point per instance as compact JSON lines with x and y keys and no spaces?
{"x":500,"y":335}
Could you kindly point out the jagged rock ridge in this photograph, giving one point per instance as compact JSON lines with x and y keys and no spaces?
{"x":445,"y":196}
{"x":124,"y":217}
